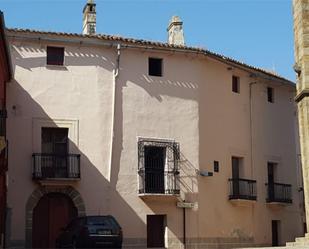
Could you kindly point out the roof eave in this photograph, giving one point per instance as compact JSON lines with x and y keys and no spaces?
{"x":163,"y":46}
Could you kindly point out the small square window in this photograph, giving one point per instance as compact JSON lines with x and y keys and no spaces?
{"x":235,"y":84}
{"x":216,"y":166}
{"x":55,"y":56}
{"x":270,"y":94}
{"x":155,"y":67}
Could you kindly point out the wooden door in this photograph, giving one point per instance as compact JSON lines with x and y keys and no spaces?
{"x":155,"y":230}
{"x":235,"y":175}
{"x":53,"y":212}
{"x":271,"y":187}
{"x":275,"y":232}
{"x":55,"y":144}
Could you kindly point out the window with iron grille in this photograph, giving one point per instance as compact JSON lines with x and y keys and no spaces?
{"x":55,"y":56}
{"x":158,"y":170}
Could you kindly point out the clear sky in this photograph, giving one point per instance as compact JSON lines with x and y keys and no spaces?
{"x":258,"y":32}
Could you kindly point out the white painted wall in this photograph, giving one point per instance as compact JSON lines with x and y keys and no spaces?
{"x":192,"y":104}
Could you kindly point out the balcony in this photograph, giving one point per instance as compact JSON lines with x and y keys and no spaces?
{"x":158,"y":170}
{"x":279,"y":193}
{"x":154,"y":183}
{"x":242,"y":189}
{"x":56,"y":167}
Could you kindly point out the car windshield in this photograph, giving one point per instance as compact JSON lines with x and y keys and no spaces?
{"x":101,"y":221}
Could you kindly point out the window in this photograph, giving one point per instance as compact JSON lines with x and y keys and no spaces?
{"x":216,"y":166}
{"x":236,"y":162}
{"x":158,"y":167}
{"x":54,"y":152}
{"x":241,"y":188}
{"x":270,"y":94}
{"x":54,"y":160}
{"x":236,"y":167}
{"x":235,"y":84}
{"x":55,"y":141}
{"x":155,"y":67}
{"x":55,"y":56}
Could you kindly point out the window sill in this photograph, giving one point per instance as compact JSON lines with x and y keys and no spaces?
{"x":158,"y":197}
{"x":57,"y":67}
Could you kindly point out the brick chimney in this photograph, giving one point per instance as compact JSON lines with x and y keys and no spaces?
{"x":175,"y":31}
{"x":89,"y":18}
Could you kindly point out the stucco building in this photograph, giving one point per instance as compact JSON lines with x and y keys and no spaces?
{"x":5,"y":76}
{"x":185,"y":147}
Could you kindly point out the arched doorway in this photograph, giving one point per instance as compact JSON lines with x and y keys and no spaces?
{"x":53,"y":212}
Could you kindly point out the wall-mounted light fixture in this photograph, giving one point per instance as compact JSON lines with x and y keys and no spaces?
{"x":204,"y":173}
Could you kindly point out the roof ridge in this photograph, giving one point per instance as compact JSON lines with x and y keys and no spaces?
{"x":156,"y":44}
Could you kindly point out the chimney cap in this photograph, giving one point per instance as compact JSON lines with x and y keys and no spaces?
{"x":174,"y":21}
{"x":89,"y":3}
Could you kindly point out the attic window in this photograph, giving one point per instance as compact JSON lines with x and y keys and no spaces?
{"x":270,"y":94}
{"x":155,"y":67}
{"x":55,"y":56}
{"x":235,"y":84}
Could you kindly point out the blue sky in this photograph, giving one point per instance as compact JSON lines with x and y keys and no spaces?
{"x":258,"y":32}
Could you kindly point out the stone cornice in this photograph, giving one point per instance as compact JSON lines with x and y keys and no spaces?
{"x":304,"y":93}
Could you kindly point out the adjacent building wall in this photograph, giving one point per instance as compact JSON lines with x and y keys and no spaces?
{"x":301,"y":18}
{"x":5,"y":76}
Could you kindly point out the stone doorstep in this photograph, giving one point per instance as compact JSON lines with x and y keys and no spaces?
{"x":300,"y":243}
{"x":269,"y":247}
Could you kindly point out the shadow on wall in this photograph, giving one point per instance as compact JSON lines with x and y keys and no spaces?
{"x":94,"y":188}
{"x":96,"y":191}
{"x":156,"y":88}
{"x":188,"y":181}
{"x":72,"y":58}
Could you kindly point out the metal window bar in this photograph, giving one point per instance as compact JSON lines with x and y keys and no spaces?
{"x":55,"y":166}
{"x":159,"y":182}
{"x":279,"y":192}
{"x":242,"y":189}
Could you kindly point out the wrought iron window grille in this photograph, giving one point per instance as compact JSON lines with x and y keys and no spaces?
{"x":158,"y":167}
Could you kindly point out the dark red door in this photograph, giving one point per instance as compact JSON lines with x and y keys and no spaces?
{"x":155,"y":230}
{"x":53,"y":212}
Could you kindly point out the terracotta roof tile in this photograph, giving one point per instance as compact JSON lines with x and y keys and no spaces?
{"x":156,"y":45}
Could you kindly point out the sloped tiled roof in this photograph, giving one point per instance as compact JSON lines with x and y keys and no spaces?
{"x":155,"y":44}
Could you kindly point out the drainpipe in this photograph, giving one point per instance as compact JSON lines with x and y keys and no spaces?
{"x":184,"y":229}
{"x":115,"y":74}
{"x":251,"y":131}
{"x":250,"y":116}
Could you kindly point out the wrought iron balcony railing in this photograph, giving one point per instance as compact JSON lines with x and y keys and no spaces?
{"x":242,"y":189}
{"x":153,"y":182}
{"x":279,"y":192}
{"x":52,"y":166}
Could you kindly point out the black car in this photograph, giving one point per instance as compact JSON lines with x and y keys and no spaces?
{"x":91,"y":232}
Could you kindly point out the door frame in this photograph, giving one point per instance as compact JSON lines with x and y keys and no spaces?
{"x":35,"y":197}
